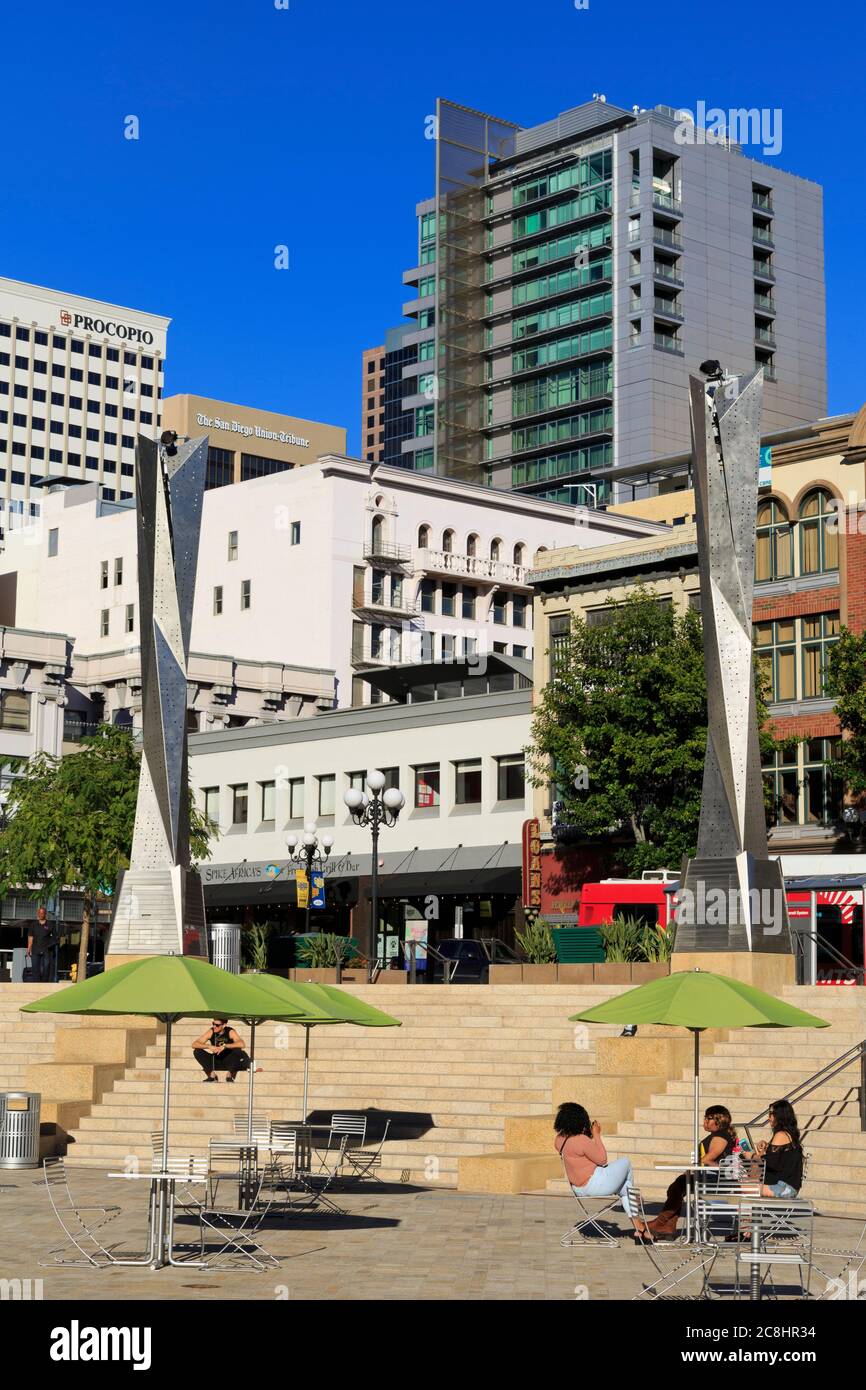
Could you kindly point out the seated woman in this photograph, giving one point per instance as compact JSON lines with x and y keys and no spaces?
{"x":720,"y":1141}
{"x":783,"y":1170}
{"x":584,"y":1157}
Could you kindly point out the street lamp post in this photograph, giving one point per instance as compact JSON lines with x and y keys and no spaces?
{"x":307,"y":854}
{"x":380,"y":808}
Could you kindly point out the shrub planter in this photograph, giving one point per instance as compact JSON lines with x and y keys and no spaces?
{"x":574,"y":973}
{"x":539,"y":974}
{"x":642,"y":971}
{"x":505,"y":974}
{"x":612,"y":973}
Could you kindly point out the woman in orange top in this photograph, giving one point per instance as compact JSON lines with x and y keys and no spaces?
{"x":584,"y":1157}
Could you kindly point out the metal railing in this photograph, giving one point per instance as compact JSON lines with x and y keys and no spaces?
{"x":800,"y":937}
{"x":385,"y":550}
{"x":666,"y":238}
{"x":854,"y":1056}
{"x":764,"y":269}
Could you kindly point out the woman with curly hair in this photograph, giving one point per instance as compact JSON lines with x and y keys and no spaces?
{"x":584,"y":1157}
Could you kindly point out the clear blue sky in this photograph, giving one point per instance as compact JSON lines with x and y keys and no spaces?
{"x":305,"y":127}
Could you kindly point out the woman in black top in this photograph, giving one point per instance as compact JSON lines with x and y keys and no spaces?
{"x":783,"y":1173}
{"x":220,"y":1049}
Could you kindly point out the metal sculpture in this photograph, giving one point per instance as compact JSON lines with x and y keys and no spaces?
{"x":733,"y":895}
{"x":159,"y":902}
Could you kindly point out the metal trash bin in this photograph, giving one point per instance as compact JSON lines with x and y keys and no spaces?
{"x":19,"y":1129}
{"x":225,"y":949}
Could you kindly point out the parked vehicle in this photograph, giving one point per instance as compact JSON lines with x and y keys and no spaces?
{"x":472,"y":960}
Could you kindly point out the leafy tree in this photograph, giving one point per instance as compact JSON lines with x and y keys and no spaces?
{"x":846,"y":680}
{"x":628,"y":704}
{"x":70,"y":822}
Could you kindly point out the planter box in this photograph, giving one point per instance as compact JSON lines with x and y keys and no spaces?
{"x":392,"y":977}
{"x":642,"y":971}
{"x":539,"y":974}
{"x":505,"y":974}
{"x":612,"y":973}
{"x":314,"y":975}
{"x":574,"y":974}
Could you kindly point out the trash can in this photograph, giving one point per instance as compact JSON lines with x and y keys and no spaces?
{"x":19,"y":1129}
{"x":225,"y":949}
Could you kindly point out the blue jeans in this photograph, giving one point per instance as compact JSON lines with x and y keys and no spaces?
{"x":609,"y":1180}
{"x":782,"y":1189}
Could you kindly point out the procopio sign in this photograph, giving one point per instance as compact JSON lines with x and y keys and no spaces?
{"x":106,"y":328}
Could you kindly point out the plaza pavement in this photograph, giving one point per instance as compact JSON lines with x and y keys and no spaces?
{"x":396,"y":1243}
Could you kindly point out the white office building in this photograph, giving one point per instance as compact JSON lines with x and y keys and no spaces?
{"x":79,"y":379}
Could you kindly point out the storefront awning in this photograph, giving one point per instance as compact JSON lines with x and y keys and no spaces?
{"x":465,"y":883}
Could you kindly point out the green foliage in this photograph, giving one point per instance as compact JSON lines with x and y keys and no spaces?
{"x":623,"y":938}
{"x":254,"y":944}
{"x":846,"y":680}
{"x":658,"y":945}
{"x":71,"y":821}
{"x":323,"y":951}
{"x":629,"y":703}
{"x":536,"y":943}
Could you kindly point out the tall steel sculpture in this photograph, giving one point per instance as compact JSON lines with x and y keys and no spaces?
{"x":159,"y":901}
{"x":733,"y":895}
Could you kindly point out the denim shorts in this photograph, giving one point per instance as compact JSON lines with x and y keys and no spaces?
{"x":782,"y":1189}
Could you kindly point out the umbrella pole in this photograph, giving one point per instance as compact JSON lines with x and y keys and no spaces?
{"x":165,"y":1093}
{"x":697,"y":1093}
{"x":252,"y":1074}
{"x":306,"y":1065}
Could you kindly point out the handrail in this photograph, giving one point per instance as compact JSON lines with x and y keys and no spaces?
{"x":816,"y":1081}
{"x":830,"y":950}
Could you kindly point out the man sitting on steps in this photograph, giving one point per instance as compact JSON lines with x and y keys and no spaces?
{"x":220,"y":1049}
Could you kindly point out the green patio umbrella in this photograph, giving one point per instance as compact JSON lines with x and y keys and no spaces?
{"x":698,"y":999}
{"x":325,"y":1004}
{"x":168,"y":988}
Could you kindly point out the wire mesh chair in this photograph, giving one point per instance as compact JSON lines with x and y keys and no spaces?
{"x":776,"y":1236}
{"x":846,"y":1282}
{"x":365,"y":1163}
{"x":674,"y":1263}
{"x":261,"y":1128}
{"x":576,"y":1234}
{"x":291,"y":1167}
{"x":236,"y":1163}
{"x":237,"y":1231}
{"x":82,"y":1224}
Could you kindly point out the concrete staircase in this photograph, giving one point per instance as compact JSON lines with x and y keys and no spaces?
{"x":24,"y":1038}
{"x":465,"y":1058}
{"x":748,"y":1070}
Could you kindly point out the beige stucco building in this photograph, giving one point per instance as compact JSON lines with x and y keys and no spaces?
{"x":247,"y":443}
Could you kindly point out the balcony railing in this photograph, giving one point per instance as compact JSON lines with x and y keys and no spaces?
{"x":386,"y":550}
{"x":666,"y":343}
{"x":471,"y":566}
{"x":763,"y":270}
{"x":668,"y":307}
{"x":763,"y":235}
{"x":663,"y":237}
{"x":765,"y":301}
{"x":762,"y":201}
{"x":666,"y":272}
{"x":402,"y":607}
{"x":769,"y":370}
{"x":666,"y":202}
{"x":763,"y":335}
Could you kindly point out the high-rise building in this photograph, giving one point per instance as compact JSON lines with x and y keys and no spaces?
{"x":78,"y":379}
{"x":245,"y":442}
{"x":373,"y":404}
{"x":569,"y":277}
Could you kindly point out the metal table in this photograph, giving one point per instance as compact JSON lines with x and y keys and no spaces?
{"x":161,"y":1218}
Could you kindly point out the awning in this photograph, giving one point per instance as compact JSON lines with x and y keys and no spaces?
{"x":464,"y":883}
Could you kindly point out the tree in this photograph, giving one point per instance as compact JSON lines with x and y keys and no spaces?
{"x":71,"y":821}
{"x":625,"y":718}
{"x":846,"y":680}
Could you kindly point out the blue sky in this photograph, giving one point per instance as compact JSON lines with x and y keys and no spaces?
{"x":304,"y":126}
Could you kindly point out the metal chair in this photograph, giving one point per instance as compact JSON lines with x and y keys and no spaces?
{"x":237,"y":1230}
{"x":236,"y":1162}
{"x":82,"y":1224}
{"x":261,"y":1128}
{"x":575,"y":1234}
{"x":777,"y":1236}
{"x":365,"y":1163}
{"x":673,"y":1262}
{"x":846,"y":1282}
{"x":291,"y":1167}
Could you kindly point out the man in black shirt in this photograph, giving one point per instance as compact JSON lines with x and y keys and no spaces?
{"x":41,"y":941}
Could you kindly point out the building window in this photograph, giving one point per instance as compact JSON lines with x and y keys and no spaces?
{"x":53,"y":541}
{"x":559,"y":631}
{"x":510,"y":778}
{"x":472,"y":546}
{"x":818,"y":635}
{"x":467,"y":782}
{"x":357,"y":781}
{"x":233,"y":545}
{"x":499,"y":607}
{"x":496,"y":549}
{"x":269,"y":801}
{"x":774,"y":548}
{"x":449,"y":600}
{"x":519,"y":651}
{"x":776,"y":651}
{"x":803,"y":790}
{"x":103,"y":623}
{"x":518,"y":553}
{"x":246,"y":594}
{"x":240,"y":804}
{"x":295,"y":533}
{"x":776,"y":655}
{"x":426,"y":786}
{"x":427,"y":594}
{"x":211,"y":799}
{"x":518,"y":610}
{"x":423,"y":537}
{"x":130,"y":617}
{"x":448,"y":541}
{"x":327,"y":789}
{"x":15,"y":711}
{"x":467,"y":605}
{"x":377,"y":587}
{"x":392,"y":777}
{"x":377,"y":535}
{"x":220,"y":467}
{"x":296,"y":798}
{"x":819,"y":533}
{"x":217,"y":600}
{"x":118,"y":570}
{"x":103,"y":575}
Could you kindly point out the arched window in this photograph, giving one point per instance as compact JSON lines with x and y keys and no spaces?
{"x":819,"y":533}
{"x":448,"y":541}
{"x":377,"y":535}
{"x":496,"y":548}
{"x":472,"y":545}
{"x":519,"y":552}
{"x":774,"y":548}
{"x":423,"y":537}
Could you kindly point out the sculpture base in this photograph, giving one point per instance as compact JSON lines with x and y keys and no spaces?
{"x":762,"y":969}
{"x":155,"y":912}
{"x":733,"y":904}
